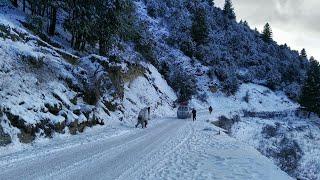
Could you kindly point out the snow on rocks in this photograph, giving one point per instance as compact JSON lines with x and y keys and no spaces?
{"x":139,"y":93}
{"x":42,"y":92}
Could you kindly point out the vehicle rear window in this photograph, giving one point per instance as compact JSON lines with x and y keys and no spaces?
{"x":183,"y":108}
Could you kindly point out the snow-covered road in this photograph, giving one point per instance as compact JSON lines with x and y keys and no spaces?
{"x":173,"y":149}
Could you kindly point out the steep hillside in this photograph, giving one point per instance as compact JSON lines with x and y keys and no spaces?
{"x":223,"y":53}
{"x":46,"y":90}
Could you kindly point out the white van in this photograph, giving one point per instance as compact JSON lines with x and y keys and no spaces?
{"x":184,"y":112}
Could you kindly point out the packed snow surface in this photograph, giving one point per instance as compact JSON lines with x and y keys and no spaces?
{"x":168,"y":149}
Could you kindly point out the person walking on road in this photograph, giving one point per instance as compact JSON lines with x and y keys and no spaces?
{"x":143,"y":117}
{"x":210,"y":109}
{"x":194,"y":114}
{"x":147,"y":117}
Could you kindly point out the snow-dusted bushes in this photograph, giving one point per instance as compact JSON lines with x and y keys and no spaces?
{"x":287,"y":153}
{"x":183,"y":83}
{"x":226,"y":123}
{"x":36,"y":23}
{"x":290,"y":141}
{"x":5,"y":138}
{"x":222,"y":43}
{"x":230,"y":86}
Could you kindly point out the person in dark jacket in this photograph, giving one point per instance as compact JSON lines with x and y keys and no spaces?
{"x":210,"y":109}
{"x":194,"y":114}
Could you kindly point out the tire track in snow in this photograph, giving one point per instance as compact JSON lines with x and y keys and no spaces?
{"x":158,"y":155}
{"x":42,"y":166}
{"x":111,"y":165}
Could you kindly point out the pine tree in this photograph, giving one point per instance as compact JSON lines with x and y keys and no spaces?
{"x":229,"y":10}
{"x":310,"y":97}
{"x":199,"y":29}
{"x":14,"y":3}
{"x":53,"y":9}
{"x":80,"y":22}
{"x":210,"y":2}
{"x":267,"y":33}
{"x":114,"y":19}
{"x":184,"y":84}
{"x":303,"y":53}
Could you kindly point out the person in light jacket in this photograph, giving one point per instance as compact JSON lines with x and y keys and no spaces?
{"x":143,"y":117}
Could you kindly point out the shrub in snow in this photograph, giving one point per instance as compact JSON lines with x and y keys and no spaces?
{"x":226,"y":123}
{"x":230,"y":86}
{"x":8,"y":33}
{"x":210,"y":73}
{"x":155,"y":9}
{"x":145,"y":44}
{"x":164,"y":70}
{"x":293,"y":91}
{"x":53,"y":108}
{"x":246,"y":77}
{"x":36,"y":23}
{"x":5,"y":138}
{"x":274,"y":79}
{"x":203,"y":97}
{"x":270,"y":131}
{"x":284,"y":150}
{"x":222,"y":74}
{"x":188,"y":47}
{"x":289,"y":155}
{"x":34,"y":61}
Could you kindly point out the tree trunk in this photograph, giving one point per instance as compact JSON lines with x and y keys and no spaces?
{"x":53,"y":21}
{"x":32,"y":8}
{"x":72,"y":40}
{"x":24,"y":6}
{"x":15,"y":3}
{"x":102,"y":48}
{"x":83,"y":46}
{"x":77,"y":43}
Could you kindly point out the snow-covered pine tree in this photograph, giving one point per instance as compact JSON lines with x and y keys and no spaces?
{"x":303,"y":53}
{"x":229,"y":10}
{"x":199,"y":29}
{"x":183,"y":83}
{"x":211,"y":2}
{"x":267,"y":33}
{"x":14,"y":3}
{"x":80,"y":23}
{"x":53,"y":7}
{"x":102,"y":22}
{"x":114,"y":19}
{"x":310,"y":97}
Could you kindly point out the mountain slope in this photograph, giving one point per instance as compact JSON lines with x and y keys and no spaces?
{"x":46,"y":90}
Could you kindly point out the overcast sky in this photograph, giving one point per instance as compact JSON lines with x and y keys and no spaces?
{"x":295,"y":22}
